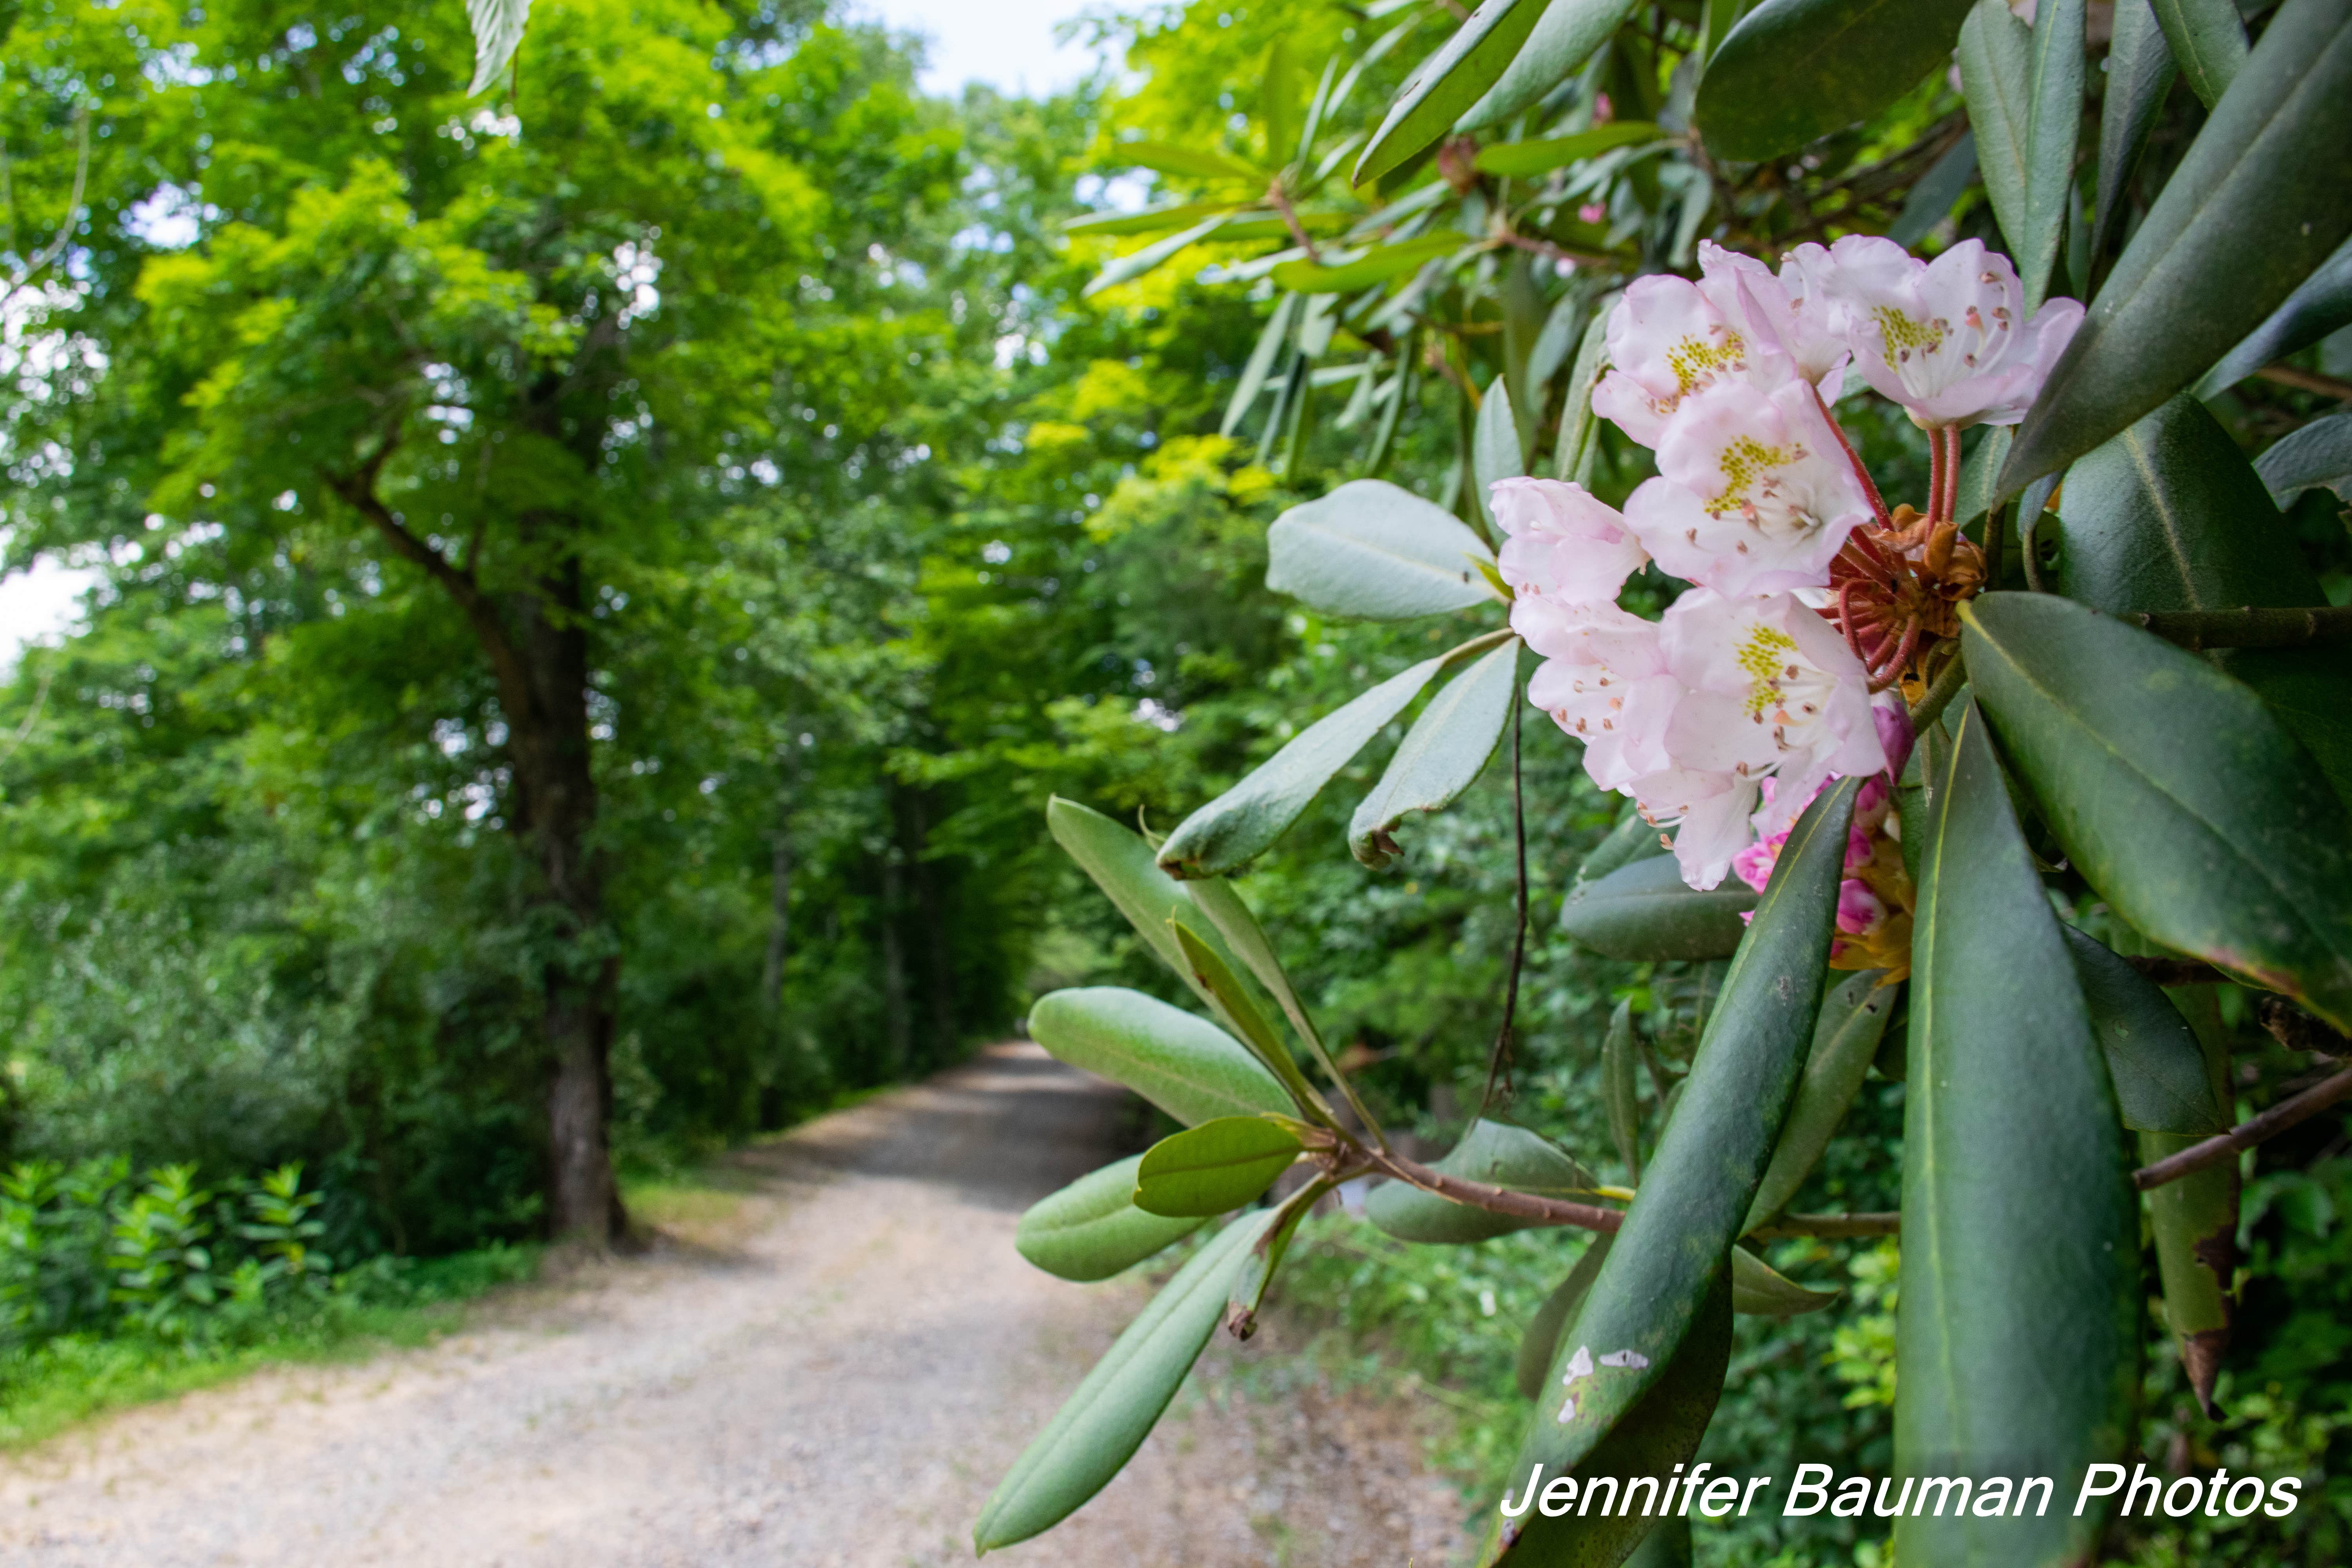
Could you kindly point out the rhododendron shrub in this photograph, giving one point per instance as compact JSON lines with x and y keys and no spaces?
{"x":2037,"y":747}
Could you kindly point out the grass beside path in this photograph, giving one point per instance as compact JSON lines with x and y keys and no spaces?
{"x":386,"y":1302}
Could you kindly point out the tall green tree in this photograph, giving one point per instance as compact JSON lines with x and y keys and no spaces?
{"x":326,"y":309}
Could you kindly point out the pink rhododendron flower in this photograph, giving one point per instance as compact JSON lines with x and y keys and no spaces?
{"x":1858,"y":908}
{"x":1795,"y":312}
{"x":1603,"y":680}
{"x":1669,"y":338}
{"x":1753,"y":495}
{"x":1565,"y":544}
{"x":1943,"y":338}
{"x":1772,"y":691}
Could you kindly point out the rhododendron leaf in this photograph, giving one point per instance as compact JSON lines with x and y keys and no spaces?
{"x":1447,"y":83}
{"x":1183,"y":1064}
{"x":1227,"y":832}
{"x":1213,"y":1168}
{"x":1620,"y":1091}
{"x":1443,"y":754}
{"x":1259,"y":367}
{"x":1845,"y":1041}
{"x":2318,"y":455}
{"x":2139,"y":73}
{"x":1495,"y":450}
{"x":1091,"y":1229}
{"x":1121,"y":863}
{"x":1101,"y":1425}
{"x":2054,"y":99}
{"x":1761,"y":1290}
{"x":1491,"y":1151}
{"x":1520,"y":159}
{"x":1667,"y":1276}
{"x":2234,"y":850}
{"x":1566,"y":37}
{"x":1239,"y":1012}
{"x":2321,"y":304}
{"x":2017,"y":1334}
{"x":1793,"y":71}
{"x":1996,"y":57}
{"x":2262,"y":198}
{"x":1659,"y":1433}
{"x":2170,"y":516}
{"x":1373,"y":549}
{"x":1541,"y":1338}
{"x":2153,"y":1056}
{"x":1375,"y":266}
{"x":1633,"y":838}
{"x":2208,"y":40}
{"x":1644,"y":911}
{"x":1151,"y":257}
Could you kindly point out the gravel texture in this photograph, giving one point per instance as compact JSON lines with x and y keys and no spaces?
{"x":832,"y":1375}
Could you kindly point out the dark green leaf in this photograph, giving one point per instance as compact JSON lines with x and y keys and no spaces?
{"x":1091,"y":1229}
{"x":2318,"y":455}
{"x":1997,"y":74}
{"x":1246,"y":940}
{"x":1633,"y":838}
{"x":1443,"y":754}
{"x":1121,"y":865}
{"x":2233,"y":849}
{"x":1493,"y":1151}
{"x":2263,"y":198}
{"x":1101,"y":1425}
{"x":1642,"y":910}
{"x":1213,"y":1168}
{"x":1541,"y":1340}
{"x":1227,"y":832}
{"x":2169,"y":516}
{"x":1580,"y":428}
{"x":1845,"y":1041}
{"x":1184,"y":1064}
{"x":2153,"y":1059}
{"x":1932,"y":199}
{"x":1375,"y":266}
{"x":2017,"y":1335}
{"x":2055,"y":96}
{"x":1374,"y":550}
{"x":1668,"y":1272}
{"x":1520,"y":159}
{"x":1657,"y":1433}
{"x":1556,"y":49}
{"x":2208,"y":40}
{"x":2321,"y":304}
{"x":2139,"y":73}
{"x":1239,"y":1013}
{"x":2194,"y":1220}
{"x":1668,"y":1545}
{"x":1446,"y":84}
{"x":1794,"y":70}
{"x":1620,"y":1093}
{"x":1761,"y":1290}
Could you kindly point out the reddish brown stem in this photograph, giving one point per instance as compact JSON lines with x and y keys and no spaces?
{"x":1869,"y":486}
{"x":2246,"y":1134}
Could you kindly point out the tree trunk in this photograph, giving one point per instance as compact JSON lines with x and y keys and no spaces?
{"x":549,"y":743}
{"x":941,"y":986}
{"x":780,"y":905}
{"x":896,"y":1015}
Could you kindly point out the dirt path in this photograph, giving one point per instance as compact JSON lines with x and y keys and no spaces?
{"x":840,"y":1384}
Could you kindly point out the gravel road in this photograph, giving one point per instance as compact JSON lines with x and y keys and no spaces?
{"x":833,"y":1379}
